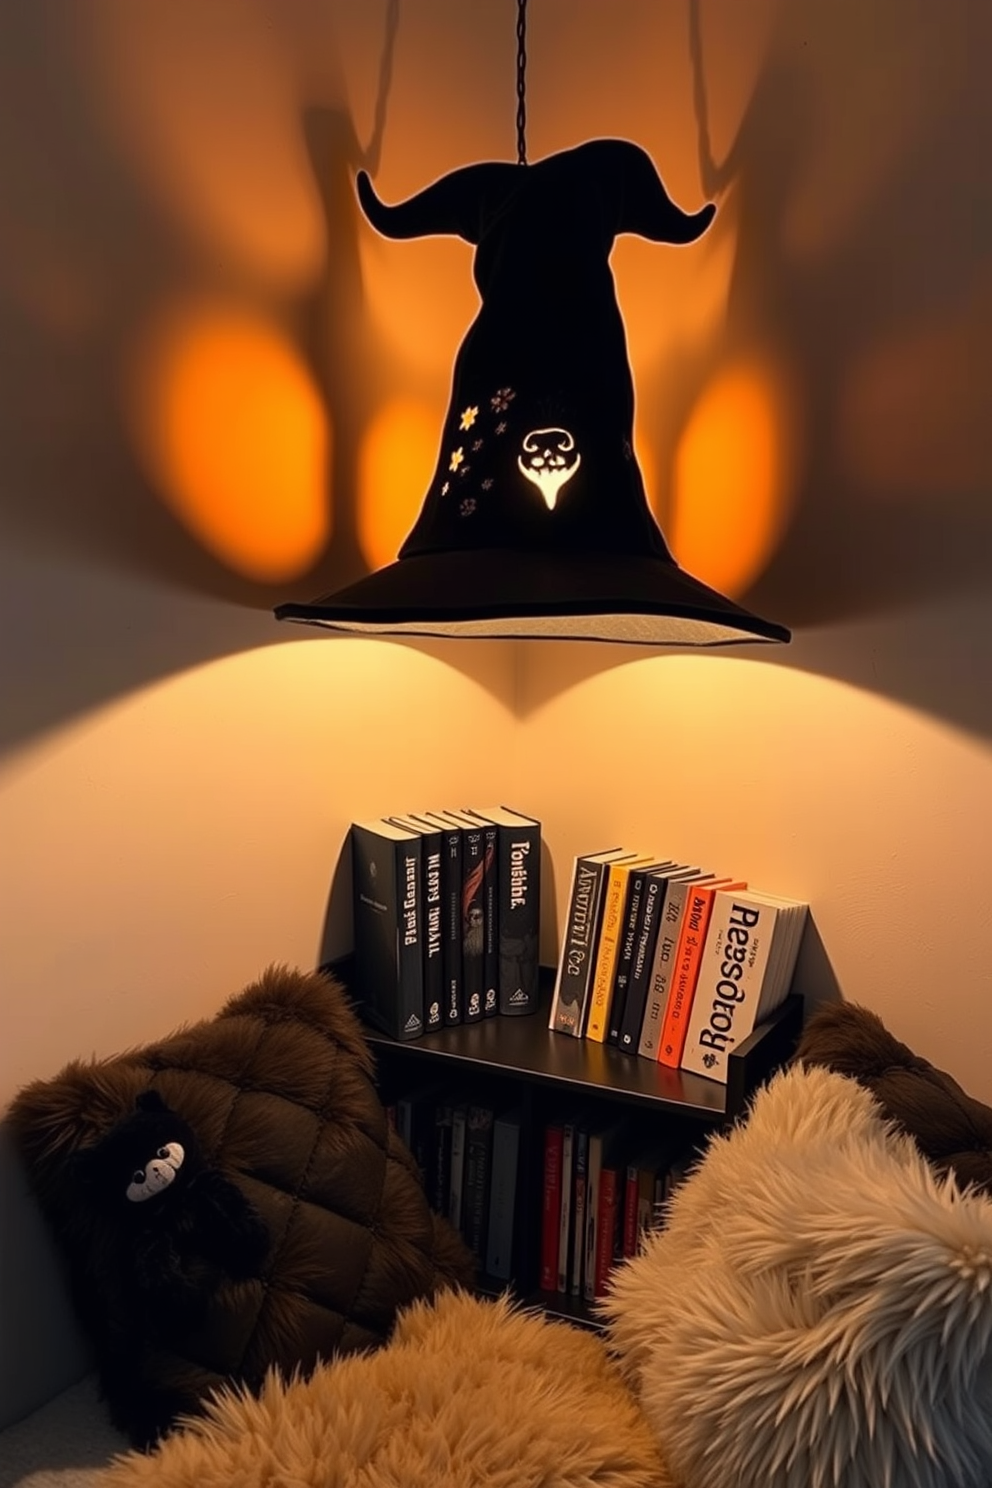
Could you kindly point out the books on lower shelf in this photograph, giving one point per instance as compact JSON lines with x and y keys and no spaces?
{"x":446,"y":909}
{"x":670,"y":961}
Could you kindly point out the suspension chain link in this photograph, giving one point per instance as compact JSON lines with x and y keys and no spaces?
{"x":521,"y":82}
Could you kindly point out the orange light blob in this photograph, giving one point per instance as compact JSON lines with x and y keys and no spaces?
{"x":730,"y":494}
{"x":236,"y":440}
{"x":396,"y":462}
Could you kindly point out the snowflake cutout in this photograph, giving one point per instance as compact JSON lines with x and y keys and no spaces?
{"x":476,"y":446}
{"x":501,"y":400}
{"x":445,"y":488}
{"x":468,"y":418}
{"x":464,"y":470}
{"x":501,"y":427}
{"x":457,"y":456}
{"x":487,"y":484}
{"x":468,"y":506}
{"x":628,"y":450}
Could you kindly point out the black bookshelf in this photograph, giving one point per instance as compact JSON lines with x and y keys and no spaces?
{"x":524,"y":1048}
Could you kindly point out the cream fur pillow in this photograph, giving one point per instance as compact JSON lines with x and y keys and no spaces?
{"x":818,"y":1311}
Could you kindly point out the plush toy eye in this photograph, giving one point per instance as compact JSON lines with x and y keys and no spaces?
{"x":162,"y":1152}
{"x":138,"y":1176}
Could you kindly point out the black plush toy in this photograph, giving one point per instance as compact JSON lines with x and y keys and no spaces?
{"x":180,"y":1221}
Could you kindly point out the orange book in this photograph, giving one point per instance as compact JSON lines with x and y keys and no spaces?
{"x":675,"y":1023}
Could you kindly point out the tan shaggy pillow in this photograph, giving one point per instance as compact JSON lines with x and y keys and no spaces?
{"x":278,"y":1092}
{"x":469,"y":1393}
{"x":818,"y":1311}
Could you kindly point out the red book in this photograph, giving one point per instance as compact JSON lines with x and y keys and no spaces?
{"x":551,"y":1209}
{"x":608,"y":1216}
{"x":675,"y":1022}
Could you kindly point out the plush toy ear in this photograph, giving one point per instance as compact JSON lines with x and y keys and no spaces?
{"x":149,"y":1100}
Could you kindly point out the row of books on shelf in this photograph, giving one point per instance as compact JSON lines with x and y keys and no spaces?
{"x":670,"y":962}
{"x":446,"y":917}
{"x":601,"y":1187}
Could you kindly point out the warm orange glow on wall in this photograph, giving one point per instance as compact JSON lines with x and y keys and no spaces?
{"x":396,"y":463}
{"x":236,"y":440}
{"x":730,"y":498}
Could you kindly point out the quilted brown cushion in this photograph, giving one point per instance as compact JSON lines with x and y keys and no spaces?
{"x":951,"y":1128}
{"x":279,"y":1090}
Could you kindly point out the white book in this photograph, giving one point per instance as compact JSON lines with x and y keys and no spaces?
{"x":747,"y":963}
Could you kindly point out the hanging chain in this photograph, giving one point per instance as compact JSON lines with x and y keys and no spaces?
{"x":521,"y":82}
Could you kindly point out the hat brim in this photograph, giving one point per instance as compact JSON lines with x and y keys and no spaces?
{"x":506,"y":594}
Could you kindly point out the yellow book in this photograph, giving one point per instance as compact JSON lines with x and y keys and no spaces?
{"x":614,"y":898}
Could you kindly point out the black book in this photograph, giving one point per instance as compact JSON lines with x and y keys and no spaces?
{"x":451,"y":913}
{"x":518,"y":906}
{"x":629,"y":919}
{"x":431,"y":916}
{"x":473,"y":912}
{"x":389,"y":968}
{"x":503,"y":1195}
{"x":478,"y":1168}
{"x":645,"y":939}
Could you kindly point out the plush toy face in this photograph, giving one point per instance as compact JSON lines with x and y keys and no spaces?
{"x":158,"y":1173}
{"x":151,"y":1153}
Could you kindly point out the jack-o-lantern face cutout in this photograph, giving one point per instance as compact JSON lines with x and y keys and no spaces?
{"x":549,"y":459}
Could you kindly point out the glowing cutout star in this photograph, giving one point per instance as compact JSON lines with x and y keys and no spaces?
{"x":468,"y":418}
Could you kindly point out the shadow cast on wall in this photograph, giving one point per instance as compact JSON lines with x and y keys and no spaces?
{"x":878,"y":293}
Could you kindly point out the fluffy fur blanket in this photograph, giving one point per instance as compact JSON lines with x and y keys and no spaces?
{"x":469,"y":1393}
{"x":818,"y":1311}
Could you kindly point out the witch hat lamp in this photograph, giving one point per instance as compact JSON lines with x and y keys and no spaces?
{"x":536,"y":523}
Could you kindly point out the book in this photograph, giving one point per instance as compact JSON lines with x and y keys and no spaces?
{"x":663,"y":963}
{"x":746,"y":969}
{"x":578,"y":945}
{"x":490,"y":912}
{"x":609,"y":1215}
{"x":551,"y":1205}
{"x":459,"y":1133}
{"x":431,"y":906}
{"x":518,"y":906}
{"x":439,"y":1172}
{"x":601,"y":1142}
{"x":565,"y":1207}
{"x":473,"y":914}
{"x":678,"y":1008}
{"x":389,"y":968}
{"x":476,"y":1184}
{"x":580,"y":1168}
{"x":503,"y":1195}
{"x":629,"y":923}
{"x":451,"y":920}
{"x":614,"y":898}
{"x":645,"y":939}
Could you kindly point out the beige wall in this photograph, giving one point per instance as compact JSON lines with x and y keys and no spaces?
{"x":179,"y":771}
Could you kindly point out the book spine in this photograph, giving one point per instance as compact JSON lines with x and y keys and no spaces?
{"x":631,"y":1195}
{"x":593,"y":1169}
{"x":733,"y":968}
{"x":478,"y":1159}
{"x":519,"y":917}
{"x":614,"y":894}
{"x":607,"y":1214}
{"x":490,"y":912}
{"x":473,"y":918}
{"x":568,"y":1007}
{"x":502,"y":1199}
{"x":679,"y":1006}
{"x":451,"y":925}
{"x":629,"y":922}
{"x":645,"y":940}
{"x":551,"y":1207}
{"x":389,"y":966}
{"x":565,"y":1208}
{"x":580,"y":1165}
{"x":669,"y":931}
{"x":430,"y":848}
{"x":459,"y":1132}
{"x":439,"y":1186}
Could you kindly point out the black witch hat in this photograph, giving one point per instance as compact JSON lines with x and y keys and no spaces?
{"x":536,"y":522}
